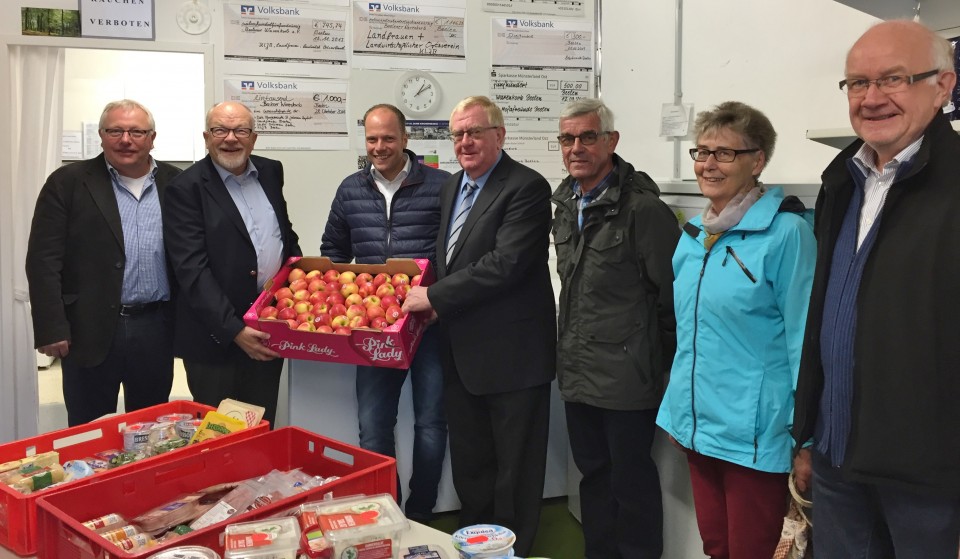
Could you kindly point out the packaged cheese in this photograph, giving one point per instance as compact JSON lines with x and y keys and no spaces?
{"x":248,"y":413}
{"x":369,"y":526}
{"x":273,"y":538}
{"x":39,"y":461}
{"x":215,"y":425}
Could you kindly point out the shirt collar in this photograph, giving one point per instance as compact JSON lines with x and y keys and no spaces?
{"x":598,"y":191}
{"x":866,"y":157}
{"x":250,"y":171}
{"x":116,"y":174}
{"x":482,"y":179}
{"x":377,"y":176}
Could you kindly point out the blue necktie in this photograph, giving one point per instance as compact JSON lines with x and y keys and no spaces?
{"x":469,"y":189}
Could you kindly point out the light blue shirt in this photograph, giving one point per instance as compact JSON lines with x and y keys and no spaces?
{"x":145,"y":268}
{"x":462,"y":192}
{"x":258,"y":217}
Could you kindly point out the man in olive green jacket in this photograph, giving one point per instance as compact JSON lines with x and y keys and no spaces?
{"x":614,"y":240}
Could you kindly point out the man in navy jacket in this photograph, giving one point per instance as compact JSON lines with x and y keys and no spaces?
{"x":391,"y":209}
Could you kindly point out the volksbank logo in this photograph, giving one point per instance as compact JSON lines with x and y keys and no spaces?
{"x":375,"y":7}
{"x":246,"y":85}
{"x":532,"y":23}
{"x":246,"y":10}
{"x":511,"y":24}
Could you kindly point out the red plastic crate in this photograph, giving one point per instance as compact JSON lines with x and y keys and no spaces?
{"x":60,"y":516}
{"x":392,"y":347}
{"x":18,"y":511}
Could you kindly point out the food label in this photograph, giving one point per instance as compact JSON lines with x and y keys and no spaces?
{"x":341,"y":520}
{"x":379,"y":549}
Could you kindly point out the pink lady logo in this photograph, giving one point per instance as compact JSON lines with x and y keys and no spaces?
{"x":383,"y":350}
{"x":309,"y":348}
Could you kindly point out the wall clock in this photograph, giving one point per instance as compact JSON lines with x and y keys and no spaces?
{"x":418,"y":93}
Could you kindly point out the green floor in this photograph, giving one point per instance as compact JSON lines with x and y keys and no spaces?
{"x":559,"y":535}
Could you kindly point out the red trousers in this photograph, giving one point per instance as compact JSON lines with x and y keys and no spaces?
{"x":739,"y":510}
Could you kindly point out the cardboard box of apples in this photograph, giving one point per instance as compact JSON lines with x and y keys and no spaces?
{"x":344,"y":313}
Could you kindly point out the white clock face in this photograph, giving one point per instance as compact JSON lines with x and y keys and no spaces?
{"x":419,"y":93}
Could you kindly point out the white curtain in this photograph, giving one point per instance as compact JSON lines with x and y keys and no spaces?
{"x":36,"y":114}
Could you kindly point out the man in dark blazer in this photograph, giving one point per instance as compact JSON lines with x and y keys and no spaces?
{"x":497,"y":314}
{"x":98,"y":277}
{"x":228,"y":232}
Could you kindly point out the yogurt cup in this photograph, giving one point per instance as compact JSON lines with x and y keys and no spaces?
{"x":187,"y":552}
{"x":484,"y":541}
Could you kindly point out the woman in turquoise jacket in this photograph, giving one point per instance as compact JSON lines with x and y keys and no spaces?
{"x":743,"y":271}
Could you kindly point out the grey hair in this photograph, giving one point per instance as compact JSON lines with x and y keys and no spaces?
{"x":752,"y":125}
{"x":586,"y":106}
{"x":128,"y":105}
{"x":253,"y":118}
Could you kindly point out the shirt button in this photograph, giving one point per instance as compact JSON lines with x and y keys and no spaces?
{"x":118,"y":265}
{"x":253,"y":273}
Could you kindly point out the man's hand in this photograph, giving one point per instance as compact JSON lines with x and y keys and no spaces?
{"x":802,"y":471}
{"x":252,"y":342}
{"x":417,"y":300}
{"x":58,"y":349}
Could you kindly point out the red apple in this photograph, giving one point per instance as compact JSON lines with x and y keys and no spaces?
{"x":356,"y":310}
{"x":415,"y":280}
{"x":295,"y":274}
{"x":302,"y":306}
{"x":363,"y":278}
{"x":313,"y":274}
{"x":298,"y":285}
{"x":338,"y":309}
{"x":393,"y":314}
{"x":287,"y":313}
{"x":317,"y":297}
{"x":283,"y":293}
{"x":292,"y":323}
{"x":319,"y":308}
{"x":285,"y":303}
{"x":371,"y":300}
{"x":342,"y":331}
{"x":359,"y":321}
{"x":332,"y":287}
{"x":335,"y":298}
{"x":325,"y":328}
{"x":379,"y":322}
{"x":353,"y":299}
{"x":381,"y":279}
{"x":305,"y":317}
{"x":402,"y":291}
{"x":366,"y":289}
{"x":302,"y":295}
{"x":384,"y":290}
{"x":331,"y":275}
{"x":268,"y":312}
{"x":373,"y":311}
{"x":400,"y":279}
{"x":322,"y":318}
{"x":339,"y":321}
{"x":389,"y":301}
{"x":348,"y":289}
{"x":315,"y":285}
{"x":306,"y":327}
{"x":348,"y":277}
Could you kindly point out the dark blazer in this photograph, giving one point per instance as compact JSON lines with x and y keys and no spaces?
{"x":494,"y":299}
{"x":75,"y":258}
{"x":213,"y":258}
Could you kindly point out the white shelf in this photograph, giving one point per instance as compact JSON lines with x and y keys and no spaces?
{"x":938,"y":14}
{"x":842,"y":137}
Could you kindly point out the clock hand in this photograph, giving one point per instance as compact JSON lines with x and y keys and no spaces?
{"x":422,"y":88}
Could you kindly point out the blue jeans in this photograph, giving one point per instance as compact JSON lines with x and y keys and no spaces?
{"x":378,"y":395}
{"x":856,"y":520}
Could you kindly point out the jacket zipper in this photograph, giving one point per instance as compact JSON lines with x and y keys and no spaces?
{"x":739,"y":262}
{"x":693,"y":367}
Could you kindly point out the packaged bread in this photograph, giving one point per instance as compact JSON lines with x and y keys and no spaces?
{"x":216,"y":425}
{"x":249,"y":413}
{"x":39,"y":460}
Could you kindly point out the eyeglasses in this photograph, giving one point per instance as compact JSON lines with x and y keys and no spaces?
{"x":136,"y":133}
{"x":586,"y":138}
{"x":887,"y":84}
{"x":723,"y":155}
{"x":240,"y":133}
{"x":474,"y":133}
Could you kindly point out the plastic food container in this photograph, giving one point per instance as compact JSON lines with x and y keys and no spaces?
{"x":273,"y":538}
{"x":358,"y":527}
{"x":484,"y":541}
{"x":187,"y":552}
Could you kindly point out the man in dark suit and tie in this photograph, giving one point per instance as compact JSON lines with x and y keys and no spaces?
{"x":99,"y":282}
{"x":497,"y":314}
{"x":228,"y":232}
